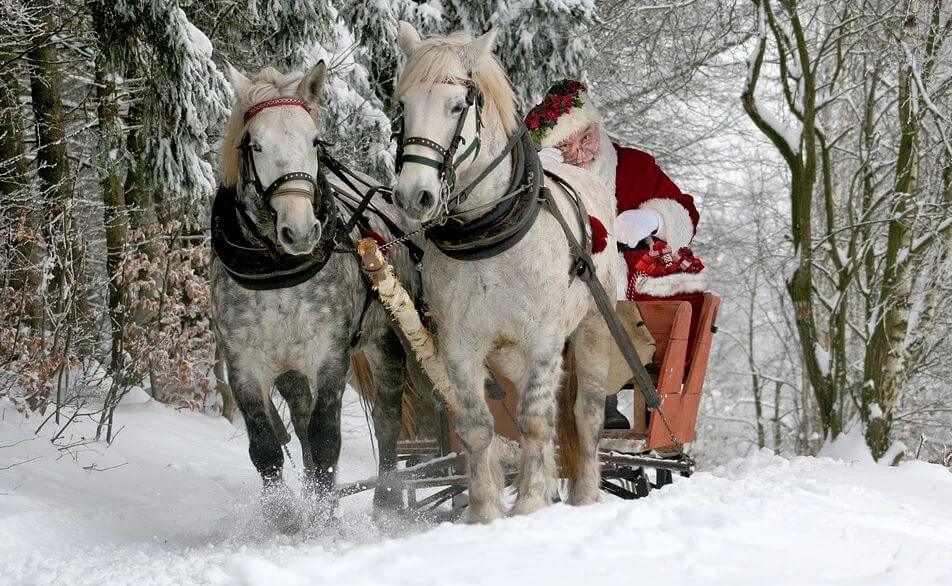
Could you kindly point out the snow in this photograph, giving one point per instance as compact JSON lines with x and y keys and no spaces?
{"x":181,"y":509}
{"x":200,"y":43}
{"x":849,"y":447}
{"x":822,"y":358}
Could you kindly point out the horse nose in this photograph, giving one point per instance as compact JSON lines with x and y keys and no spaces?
{"x":424,"y":199}
{"x":299,"y":239}
{"x":421,"y":200}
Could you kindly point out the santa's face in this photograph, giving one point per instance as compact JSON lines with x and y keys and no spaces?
{"x":581,"y":148}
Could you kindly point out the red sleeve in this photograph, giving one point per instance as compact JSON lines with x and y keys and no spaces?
{"x":638,"y":178}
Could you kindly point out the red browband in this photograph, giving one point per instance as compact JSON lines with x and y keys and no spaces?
{"x":257,"y":108}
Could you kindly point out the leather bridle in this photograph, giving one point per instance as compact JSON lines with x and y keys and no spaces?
{"x":448,"y":162}
{"x":250,"y":171}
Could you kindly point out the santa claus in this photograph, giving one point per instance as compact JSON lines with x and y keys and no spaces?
{"x":656,"y":221}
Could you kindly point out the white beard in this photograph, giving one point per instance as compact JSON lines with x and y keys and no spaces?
{"x":605,"y":163}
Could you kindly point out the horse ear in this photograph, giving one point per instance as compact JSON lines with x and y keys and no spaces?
{"x":239,"y":82}
{"x":477,"y":50}
{"x":407,"y":37}
{"x":311,"y":86}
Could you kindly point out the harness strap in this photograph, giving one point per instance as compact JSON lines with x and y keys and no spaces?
{"x":344,"y":174}
{"x":463,"y":194}
{"x":369,"y":295}
{"x":421,"y":160}
{"x":584,"y":267}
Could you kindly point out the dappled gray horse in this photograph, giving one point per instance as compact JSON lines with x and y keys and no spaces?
{"x":288,"y":310}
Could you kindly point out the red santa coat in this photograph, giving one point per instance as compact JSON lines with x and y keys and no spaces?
{"x":641,"y":184}
{"x":639,"y":179}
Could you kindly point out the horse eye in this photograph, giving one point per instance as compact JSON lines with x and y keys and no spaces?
{"x":457,"y":108}
{"x":316,"y":141}
{"x":255,"y":146}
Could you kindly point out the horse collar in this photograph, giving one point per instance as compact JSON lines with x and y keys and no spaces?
{"x":508,"y":221}
{"x":252,"y":260}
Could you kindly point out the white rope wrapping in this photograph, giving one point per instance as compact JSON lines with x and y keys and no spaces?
{"x":400,"y":305}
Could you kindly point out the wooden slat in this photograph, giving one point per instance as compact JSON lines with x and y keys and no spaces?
{"x":682,"y":407}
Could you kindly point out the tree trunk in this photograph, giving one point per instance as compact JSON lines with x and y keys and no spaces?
{"x":114,"y":212}
{"x":138,"y":193}
{"x":886,"y":356}
{"x":52,"y":159}
{"x":26,"y":248}
{"x":755,"y":383}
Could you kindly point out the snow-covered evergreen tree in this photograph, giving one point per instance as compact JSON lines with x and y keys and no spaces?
{"x":183,"y":97}
{"x":352,"y":117}
{"x":538,"y":42}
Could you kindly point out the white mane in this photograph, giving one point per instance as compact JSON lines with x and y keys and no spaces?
{"x":438,"y":58}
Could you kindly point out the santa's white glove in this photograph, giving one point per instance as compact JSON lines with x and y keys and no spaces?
{"x":633,"y":226}
{"x":550,"y":155}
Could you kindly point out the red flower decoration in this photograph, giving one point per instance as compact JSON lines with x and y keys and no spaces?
{"x":561,"y":99}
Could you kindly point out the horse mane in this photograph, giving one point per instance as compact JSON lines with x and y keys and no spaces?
{"x":438,"y":58}
{"x":267,"y":84}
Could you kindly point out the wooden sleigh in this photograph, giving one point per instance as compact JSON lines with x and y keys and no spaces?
{"x":437,"y":465}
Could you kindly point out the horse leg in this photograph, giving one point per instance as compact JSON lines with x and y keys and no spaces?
{"x":264,"y":448}
{"x":592,"y":345}
{"x":388,"y":362}
{"x":536,"y":421}
{"x":294,"y":389}
{"x":476,"y":430}
{"x":323,"y":432}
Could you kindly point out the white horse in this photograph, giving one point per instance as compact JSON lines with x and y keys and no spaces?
{"x":514,"y":311}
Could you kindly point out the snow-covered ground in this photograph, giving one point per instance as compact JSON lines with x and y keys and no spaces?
{"x":173,"y":501}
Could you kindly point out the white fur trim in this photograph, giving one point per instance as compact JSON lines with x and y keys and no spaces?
{"x":569,"y":124}
{"x":669,"y":285}
{"x":676,"y":226}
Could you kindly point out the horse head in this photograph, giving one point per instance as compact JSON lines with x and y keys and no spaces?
{"x":451,"y":90}
{"x":270,"y":154}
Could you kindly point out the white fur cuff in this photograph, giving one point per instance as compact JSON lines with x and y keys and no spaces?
{"x":676,"y":226}
{"x":676,"y":284}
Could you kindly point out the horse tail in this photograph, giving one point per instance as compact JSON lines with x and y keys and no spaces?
{"x":363,"y":377}
{"x":414,"y":402}
{"x":569,"y":445}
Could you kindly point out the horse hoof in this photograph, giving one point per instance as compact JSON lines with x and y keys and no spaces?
{"x":280,"y":509}
{"x":321,"y":510}
{"x":387,"y":500}
{"x":527,"y":506}
{"x":483,"y":515}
